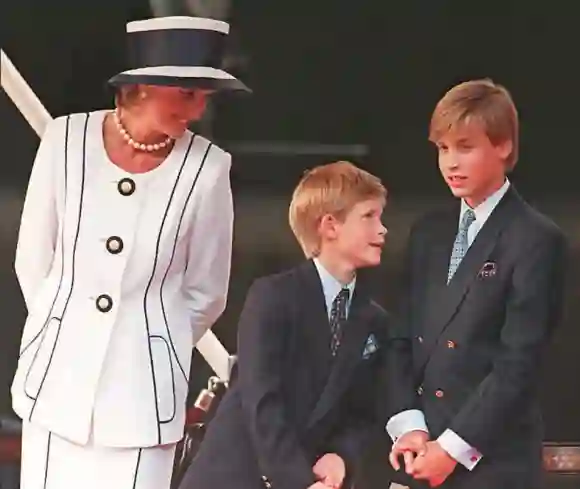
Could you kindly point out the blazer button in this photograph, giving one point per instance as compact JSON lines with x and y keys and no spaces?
{"x":439,"y":393}
{"x":126,"y":186}
{"x":104,"y":303}
{"x":420,"y":339}
{"x":420,"y":390}
{"x":114,"y":245}
{"x":451,"y":344}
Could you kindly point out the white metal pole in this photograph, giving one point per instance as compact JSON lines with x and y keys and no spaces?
{"x":22,"y":95}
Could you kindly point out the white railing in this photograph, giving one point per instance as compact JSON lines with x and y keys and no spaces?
{"x":38,"y":117}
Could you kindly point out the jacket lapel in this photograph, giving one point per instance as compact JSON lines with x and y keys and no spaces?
{"x":316,"y":328}
{"x":354,"y":333}
{"x":446,"y":299}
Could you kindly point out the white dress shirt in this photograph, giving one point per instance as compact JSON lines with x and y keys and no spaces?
{"x":331,"y":287}
{"x":414,"y":420}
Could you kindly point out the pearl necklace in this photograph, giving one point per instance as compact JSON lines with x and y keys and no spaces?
{"x":139,"y":146}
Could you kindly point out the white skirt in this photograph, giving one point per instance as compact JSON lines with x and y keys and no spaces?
{"x":51,"y":462}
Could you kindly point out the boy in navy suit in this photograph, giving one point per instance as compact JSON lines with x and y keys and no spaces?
{"x":484,"y":294}
{"x":310,"y":346}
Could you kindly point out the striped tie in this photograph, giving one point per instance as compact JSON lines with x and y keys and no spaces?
{"x":461,"y":244}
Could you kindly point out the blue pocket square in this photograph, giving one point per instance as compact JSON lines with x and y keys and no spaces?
{"x":371,"y":346}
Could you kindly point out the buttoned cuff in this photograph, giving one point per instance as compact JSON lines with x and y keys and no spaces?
{"x":406,"y":421}
{"x":459,"y":449}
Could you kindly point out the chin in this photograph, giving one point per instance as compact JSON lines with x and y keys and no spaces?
{"x":175,"y":131}
{"x":371,"y":260}
{"x":460,"y":193}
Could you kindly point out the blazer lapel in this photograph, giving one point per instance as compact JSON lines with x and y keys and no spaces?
{"x":354,"y":333}
{"x":446,"y":298}
{"x":316,"y":328}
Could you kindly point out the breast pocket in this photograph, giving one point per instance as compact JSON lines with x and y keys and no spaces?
{"x":163,"y":378}
{"x":490,"y":289}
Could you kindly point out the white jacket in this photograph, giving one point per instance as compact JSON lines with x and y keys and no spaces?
{"x":122,"y":274}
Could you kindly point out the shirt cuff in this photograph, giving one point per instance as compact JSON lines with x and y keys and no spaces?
{"x":406,"y":421}
{"x":459,"y":449}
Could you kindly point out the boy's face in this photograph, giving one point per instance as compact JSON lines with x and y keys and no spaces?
{"x":472,"y":166}
{"x":358,"y":239}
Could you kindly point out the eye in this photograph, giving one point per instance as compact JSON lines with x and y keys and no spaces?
{"x":190,"y":94}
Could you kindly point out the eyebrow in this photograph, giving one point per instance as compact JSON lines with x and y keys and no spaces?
{"x":465,"y":139}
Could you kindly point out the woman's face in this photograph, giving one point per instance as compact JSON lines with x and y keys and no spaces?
{"x":170,"y":110}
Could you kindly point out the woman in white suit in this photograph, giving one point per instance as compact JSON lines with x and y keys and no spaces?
{"x":123,"y":259}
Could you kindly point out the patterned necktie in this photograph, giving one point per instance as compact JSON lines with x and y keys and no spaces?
{"x":461,"y":244}
{"x":337,"y":317}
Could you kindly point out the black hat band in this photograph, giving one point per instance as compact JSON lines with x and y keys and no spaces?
{"x":176,"y":47}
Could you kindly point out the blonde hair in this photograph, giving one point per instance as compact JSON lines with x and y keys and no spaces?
{"x":334,"y":189}
{"x":483,"y":102}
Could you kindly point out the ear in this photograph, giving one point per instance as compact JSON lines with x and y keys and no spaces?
{"x":505,"y":148}
{"x":328,"y":226}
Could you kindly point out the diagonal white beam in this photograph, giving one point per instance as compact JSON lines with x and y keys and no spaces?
{"x":22,"y":95}
{"x":38,"y":117}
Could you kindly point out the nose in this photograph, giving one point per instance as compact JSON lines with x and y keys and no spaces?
{"x":384,"y":230}
{"x":449,"y":161}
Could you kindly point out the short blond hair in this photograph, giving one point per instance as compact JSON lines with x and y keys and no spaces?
{"x":334,"y":189}
{"x":484,"y":102}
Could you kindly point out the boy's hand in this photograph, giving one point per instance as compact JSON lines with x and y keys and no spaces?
{"x":331,"y":470}
{"x":435,"y":466}
{"x":410,"y":445}
{"x":318,"y":485}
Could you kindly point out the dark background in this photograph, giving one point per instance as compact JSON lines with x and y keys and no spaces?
{"x":333,"y":72}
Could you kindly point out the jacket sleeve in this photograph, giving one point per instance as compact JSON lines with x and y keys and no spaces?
{"x":39,"y":220}
{"x":533,"y":309}
{"x":262,"y":340}
{"x":351,"y":443}
{"x":208,"y":263}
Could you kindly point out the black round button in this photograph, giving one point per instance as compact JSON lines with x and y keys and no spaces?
{"x":126,"y":186}
{"x":104,"y":303}
{"x":114,"y":245}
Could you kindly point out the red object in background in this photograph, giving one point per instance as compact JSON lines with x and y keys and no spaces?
{"x":10,"y":449}
{"x":202,"y":405}
{"x":194,"y":415}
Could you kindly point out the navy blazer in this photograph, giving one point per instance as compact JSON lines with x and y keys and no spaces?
{"x":478,"y":342}
{"x":292,"y":401}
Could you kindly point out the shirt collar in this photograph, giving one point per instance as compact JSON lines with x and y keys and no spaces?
{"x":484,"y":210}
{"x":330,"y":285}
